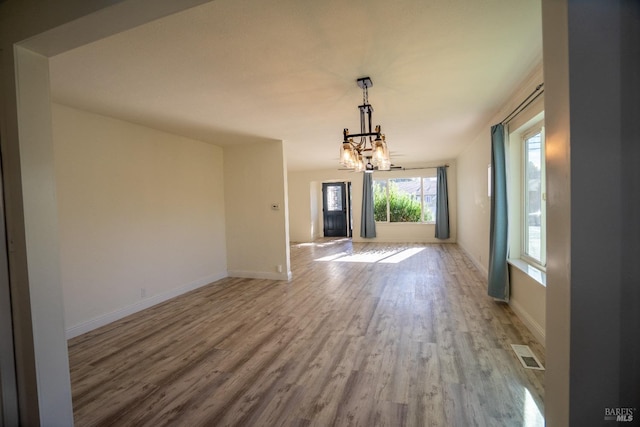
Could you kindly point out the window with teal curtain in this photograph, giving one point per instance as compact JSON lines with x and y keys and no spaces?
{"x":498,"y":283}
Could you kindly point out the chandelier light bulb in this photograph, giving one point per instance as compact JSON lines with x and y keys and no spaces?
{"x":346,"y":155}
{"x":360,"y":166}
{"x":379,"y":152}
{"x":384,"y":165}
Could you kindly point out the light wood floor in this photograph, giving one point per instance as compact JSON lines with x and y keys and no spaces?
{"x":348,"y":341}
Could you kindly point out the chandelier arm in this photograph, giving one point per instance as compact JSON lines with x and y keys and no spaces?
{"x":356,"y":135}
{"x":348,"y":138}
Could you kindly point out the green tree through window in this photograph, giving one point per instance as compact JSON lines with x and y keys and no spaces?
{"x":399,"y":201}
{"x":380,"y":200}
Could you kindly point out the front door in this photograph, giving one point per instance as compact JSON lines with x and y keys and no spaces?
{"x":334,"y":208}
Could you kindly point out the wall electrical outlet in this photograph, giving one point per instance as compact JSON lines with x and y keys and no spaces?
{"x":143,"y":292}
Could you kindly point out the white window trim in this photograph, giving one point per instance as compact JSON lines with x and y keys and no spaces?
{"x":538,"y":264}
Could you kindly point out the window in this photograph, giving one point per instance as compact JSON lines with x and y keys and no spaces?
{"x":334,"y":198}
{"x":534,"y":198}
{"x":405,"y":199}
{"x":527,"y":199}
{"x":430,"y":193}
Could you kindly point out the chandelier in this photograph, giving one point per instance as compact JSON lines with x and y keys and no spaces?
{"x":367,"y":150}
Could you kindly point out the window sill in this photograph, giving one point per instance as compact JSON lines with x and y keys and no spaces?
{"x":531,"y":271}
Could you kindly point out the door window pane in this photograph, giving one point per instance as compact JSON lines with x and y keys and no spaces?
{"x":334,"y":198}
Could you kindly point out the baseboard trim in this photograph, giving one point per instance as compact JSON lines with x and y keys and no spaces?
{"x":107,"y":318}
{"x":260,"y":275}
{"x":533,"y":326}
{"x":475,"y":262}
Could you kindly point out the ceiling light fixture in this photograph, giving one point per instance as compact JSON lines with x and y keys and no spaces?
{"x":367,"y":150}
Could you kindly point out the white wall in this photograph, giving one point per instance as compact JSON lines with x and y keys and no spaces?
{"x":528,"y":301}
{"x":43,"y":389}
{"x":255,"y":178}
{"x":41,"y":236}
{"x":474,"y":204}
{"x":474,"y":208}
{"x":141,"y":216}
{"x":305,"y":204}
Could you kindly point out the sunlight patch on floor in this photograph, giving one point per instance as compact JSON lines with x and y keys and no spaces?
{"x":387,"y":257}
{"x":332,"y":257}
{"x":532,"y":416}
{"x":321,"y":244}
{"x":402,"y":255}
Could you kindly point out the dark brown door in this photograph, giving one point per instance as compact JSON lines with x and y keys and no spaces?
{"x":334,"y":208}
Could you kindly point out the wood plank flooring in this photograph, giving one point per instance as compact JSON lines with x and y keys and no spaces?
{"x":364,"y":335}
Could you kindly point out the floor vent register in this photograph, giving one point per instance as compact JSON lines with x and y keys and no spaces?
{"x":526,"y":357}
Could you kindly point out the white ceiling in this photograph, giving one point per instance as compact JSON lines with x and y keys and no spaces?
{"x":236,"y":70}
